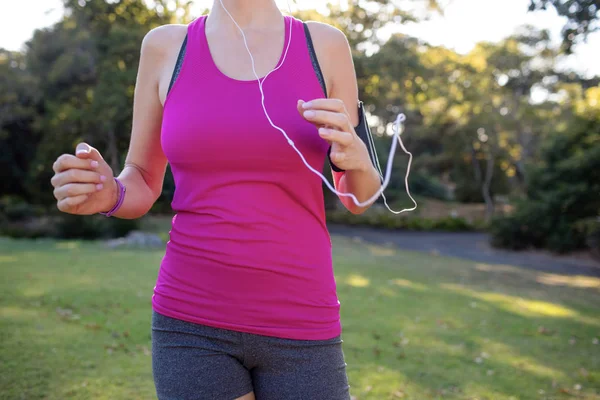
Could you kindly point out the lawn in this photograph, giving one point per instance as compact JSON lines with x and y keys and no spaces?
{"x":75,"y":324}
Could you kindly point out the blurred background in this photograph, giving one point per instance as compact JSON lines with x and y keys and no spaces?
{"x":489,"y":290}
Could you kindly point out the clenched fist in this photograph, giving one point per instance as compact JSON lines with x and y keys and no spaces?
{"x":83,"y":183}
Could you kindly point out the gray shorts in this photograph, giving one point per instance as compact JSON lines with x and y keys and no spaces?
{"x":193,"y":362}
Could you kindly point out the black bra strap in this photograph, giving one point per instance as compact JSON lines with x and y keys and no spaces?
{"x":314,"y":60}
{"x":179,"y":64}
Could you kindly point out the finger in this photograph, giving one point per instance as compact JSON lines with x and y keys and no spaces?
{"x":299,"y":106}
{"x":335,"y":105}
{"x":76,"y":176}
{"x":329,"y":118}
{"x":301,"y":111}
{"x":335,"y":136}
{"x":68,"y":203}
{"x":69,"y":161}
{"x":85,"y":151}
{"x":76,"y":189}
{"x":337,"y":157}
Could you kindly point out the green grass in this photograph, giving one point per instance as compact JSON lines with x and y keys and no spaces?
{"x":75,"y":323}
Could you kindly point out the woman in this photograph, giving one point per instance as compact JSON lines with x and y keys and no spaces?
{"x":245,"y":303}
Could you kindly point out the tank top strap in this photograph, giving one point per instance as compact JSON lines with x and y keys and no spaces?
{"x":300,"y":36}
{"x":195,"y":47}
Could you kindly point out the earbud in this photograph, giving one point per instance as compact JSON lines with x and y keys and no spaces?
{"x":397,"y":125}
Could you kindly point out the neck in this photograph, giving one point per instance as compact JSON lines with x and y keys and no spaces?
{"x":247,"y":13}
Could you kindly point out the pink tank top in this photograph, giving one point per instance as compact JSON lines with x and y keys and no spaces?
{"x":249,"y":249}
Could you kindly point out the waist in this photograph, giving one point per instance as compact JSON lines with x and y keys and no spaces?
{"x":265,"y":279}
{"x":251,"y":239}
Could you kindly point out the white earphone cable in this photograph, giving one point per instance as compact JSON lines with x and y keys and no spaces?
{"x":397,"y":131}
{"x":371,"y":142}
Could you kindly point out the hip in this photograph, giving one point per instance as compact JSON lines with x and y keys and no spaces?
{"x":199,"y":361}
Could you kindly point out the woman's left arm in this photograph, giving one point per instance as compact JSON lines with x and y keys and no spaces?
{"x":337,"y":116}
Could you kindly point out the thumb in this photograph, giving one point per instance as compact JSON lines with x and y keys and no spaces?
{"x":299,"y":107}
{"x":85,"y":151}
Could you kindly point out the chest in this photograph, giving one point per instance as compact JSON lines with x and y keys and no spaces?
{"x":230,"y":55}
{"x":223,"y":127}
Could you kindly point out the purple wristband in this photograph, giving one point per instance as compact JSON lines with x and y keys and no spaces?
{"x":120,"y":200}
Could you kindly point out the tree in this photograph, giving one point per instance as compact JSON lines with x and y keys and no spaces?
{"x":19,"y":102}
{"x":361,"y":19}
{"x":581,"y":15}
{"x":87,"y":65}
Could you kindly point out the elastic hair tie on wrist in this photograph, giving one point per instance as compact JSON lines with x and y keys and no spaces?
{"x":120,"y":200}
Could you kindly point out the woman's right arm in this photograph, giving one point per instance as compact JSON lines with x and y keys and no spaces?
{"x":79,"y":186}
{"x":145,"y":165}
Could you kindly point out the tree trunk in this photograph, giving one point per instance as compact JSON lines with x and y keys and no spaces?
{"x":112,"y":152}
{"x":476,"y":166}
{"x":526,"y":140}
{"x":485,"y":183}
{"x":486,"y":187}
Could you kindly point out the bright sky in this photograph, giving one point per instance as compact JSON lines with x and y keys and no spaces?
{"x":464,"y":23}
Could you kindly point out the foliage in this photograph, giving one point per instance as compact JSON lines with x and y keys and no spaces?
{"x":20,"y":219}
{"x":362,"y":19}
{"x":533,"y":225}
{"x":13,"y":208}
{"x":93,"y":227}
{"x":471,"y":122}
{"x":86,"y":68}
{"x":593,"y":238}
{"x":470,"y":118}
{"x":582,"y":17}
{"x":19,"y":99}
{"x":386,"y":220}
{"x":426,"y":186}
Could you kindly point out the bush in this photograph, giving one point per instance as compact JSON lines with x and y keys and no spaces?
{"x":14,"y":209}
{"x":31,"y":229}
{"x":384,"y":220}
{"x":562,"y":194}
{"x":67,"y":226}
{"x":19,"y":219}
{"x":452,"y":224}
{"x":93,"y":227}
{"x":427,"y":186}
{"x":590,"y":228}
{"x":535,"y":225}
{"x":520,"y":230}
{"x":593,"y":241}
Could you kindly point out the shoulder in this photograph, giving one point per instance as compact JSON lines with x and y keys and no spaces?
{"x":161,"y":40}
{"x":328,"y":36}
{"x":335,"y":56}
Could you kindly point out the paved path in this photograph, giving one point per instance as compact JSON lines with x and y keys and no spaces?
{"x":470,"y":246}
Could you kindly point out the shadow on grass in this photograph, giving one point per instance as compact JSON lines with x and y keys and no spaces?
{"x":76,"y":324}
{"x":463,"y":329}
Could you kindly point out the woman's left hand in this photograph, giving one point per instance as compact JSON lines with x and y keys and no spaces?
{"x":348,"y":151}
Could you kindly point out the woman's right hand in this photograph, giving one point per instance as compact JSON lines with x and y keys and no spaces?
{"x":83,"y":183}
